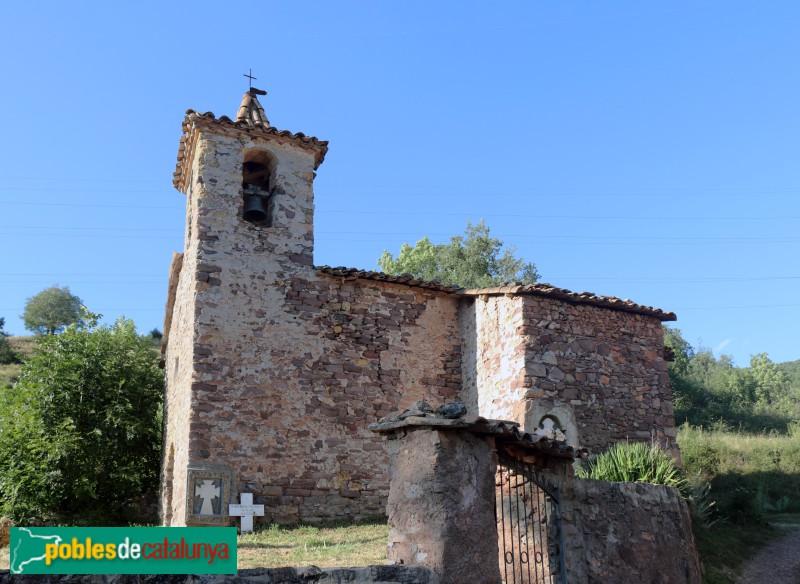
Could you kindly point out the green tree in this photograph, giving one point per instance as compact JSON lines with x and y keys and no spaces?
{"x":688,"y":396}
{"x":770,"y":381}
{"x":474,"y":260}
{"x":708,"y":390}
{"x":7,"y":354}
{"x":80,"y":430}
{"x":51,"y":310}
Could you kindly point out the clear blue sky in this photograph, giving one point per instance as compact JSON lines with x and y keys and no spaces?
{"x":647,"y":150}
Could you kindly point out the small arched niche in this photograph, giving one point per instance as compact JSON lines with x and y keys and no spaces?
{"x":258,"y":170}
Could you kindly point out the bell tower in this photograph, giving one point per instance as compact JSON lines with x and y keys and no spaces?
{"x":249,"y":231}
{"x":248,"y":182}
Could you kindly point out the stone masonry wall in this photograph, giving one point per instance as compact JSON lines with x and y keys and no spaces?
{"x":179,"y":367}
{"x":288,"y":404}
{"x":441,"y":504}
{"x":495,"y":357}
{"x":606,"y":366}
{"x":601,"y":373}
{"x":626,"y":533}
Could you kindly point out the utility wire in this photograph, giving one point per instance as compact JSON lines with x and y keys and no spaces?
{"x":674,"y":309}
{"x":635,"y":238}
{"x":455,"y":189}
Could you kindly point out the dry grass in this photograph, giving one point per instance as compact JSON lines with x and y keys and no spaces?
{"x":276,"y":547}
{"x":352,"y":545}
{"x":22,"y":346}
{"x":9,"y":373}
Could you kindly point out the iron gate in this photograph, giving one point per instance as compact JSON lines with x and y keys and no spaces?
{"x":528,"y":526}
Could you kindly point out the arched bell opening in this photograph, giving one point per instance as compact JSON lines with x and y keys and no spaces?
{"x":257,"y":173}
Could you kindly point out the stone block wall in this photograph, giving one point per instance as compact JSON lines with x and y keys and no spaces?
{"x":601,"y":373}
{"x":441,"y":504}
{"x":179,"y":369}
{"x":607,"y":366}
{"x":494,"y":357}
{"x":286,"y":402}
{"x":626,"y":533}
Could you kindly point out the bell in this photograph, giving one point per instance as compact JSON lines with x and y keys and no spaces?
{"x":254,"y":209}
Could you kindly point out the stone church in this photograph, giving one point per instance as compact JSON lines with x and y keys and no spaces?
{"x":275,"y":366}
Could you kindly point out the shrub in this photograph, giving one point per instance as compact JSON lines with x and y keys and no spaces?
{"x":634,"y":462}
{"x":80,"y":430}
{"x":7,"y":354}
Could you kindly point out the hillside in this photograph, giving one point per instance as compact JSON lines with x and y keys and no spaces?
{"x":22,"y":346}
{"x":792,"y":369}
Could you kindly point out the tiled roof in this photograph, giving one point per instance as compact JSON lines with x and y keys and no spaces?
{"x":251,"y":112}
{"x":250,"y":119}
{"x":545,"y":290}
{"x":405,"y":279}
{"x":502,"y":430}
{"x":574,"y":297}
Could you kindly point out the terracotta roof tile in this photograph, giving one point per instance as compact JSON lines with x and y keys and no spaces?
{"x":545,"y":290}
{"x":252,"y":121}
{"x":251,"y":112}
{"x":404,"y":279}
{"x":503,"y":431}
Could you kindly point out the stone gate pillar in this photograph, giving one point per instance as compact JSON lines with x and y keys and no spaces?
{"x":442,"y":498}
{"x":443,"y":487}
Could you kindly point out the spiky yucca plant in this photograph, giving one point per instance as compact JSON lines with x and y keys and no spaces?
{"x":634,"y":462}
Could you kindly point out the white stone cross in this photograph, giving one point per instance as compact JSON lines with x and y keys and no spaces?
{"x":207,"y":491}
{"x":246,"y":510}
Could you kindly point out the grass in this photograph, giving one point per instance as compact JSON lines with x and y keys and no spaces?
{"x":755,"y":485}
{"x":725,"y":548}
{"x":749,"y":473}
{"x":22,"y":346}
{"x":277,"y":547}
{"x":351,"y":545}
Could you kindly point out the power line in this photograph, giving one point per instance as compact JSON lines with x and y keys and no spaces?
{"x":782,"y":240}
{"x":459,"y":189}
{"x":88,"y":228}
{"x":675,"y":309}
{"x":666,"y":239}
{"x":93,"y":309}
{"x":49,"y":190}
{"x":462,"y":214}
{"x":75,"y":179}
{"x":619,"y":279}
{"x":106,"y":206}
{"x":538,"y":239}
{"x":735,"y":307}
{"x":443,"y":214}
{"x":127,"y":283}
{"x":126,"y":275}
{"x":591,"y":217}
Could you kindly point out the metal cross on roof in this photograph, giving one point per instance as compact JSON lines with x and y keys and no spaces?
{"x":249,"y":75}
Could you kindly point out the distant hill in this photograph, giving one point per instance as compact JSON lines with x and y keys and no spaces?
{"x":22,"y":346}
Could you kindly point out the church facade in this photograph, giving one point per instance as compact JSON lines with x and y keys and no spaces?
{"x":275,"y":367}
